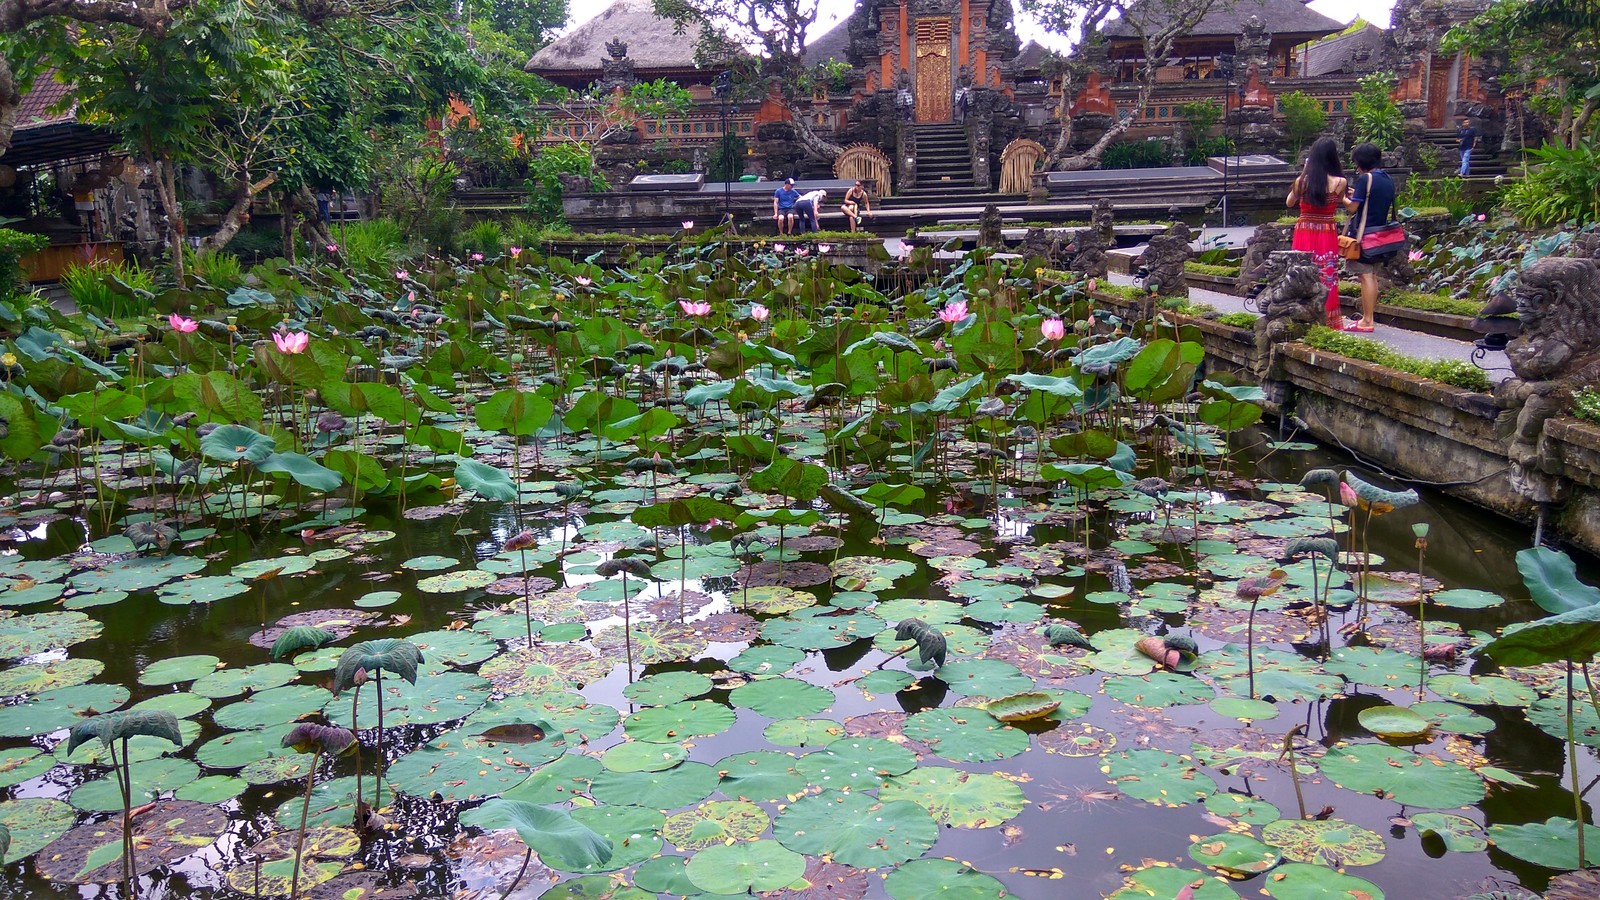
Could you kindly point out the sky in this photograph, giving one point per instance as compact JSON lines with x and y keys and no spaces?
{"x":834,"y":11}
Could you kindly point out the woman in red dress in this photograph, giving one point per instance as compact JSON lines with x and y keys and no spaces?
{"x":1317,"y":192}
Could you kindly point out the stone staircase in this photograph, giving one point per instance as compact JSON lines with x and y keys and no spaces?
{"x":944,"y":164}
{"x":1487,"y":160}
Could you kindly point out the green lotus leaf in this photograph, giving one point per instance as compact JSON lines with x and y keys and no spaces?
{"x":958,"y":798}
{"x":549,"y":832}
{"x":1328,"y":842}
{"x":745,"y":866}
{"x":1303,"y":881}
{"x":1393,"y":721}
{"x":395,"y":655}
{"x":1405,"y":777}
{"x":1232,"y":852}
{"x":1156,"y":776}
{"x":856,"y":829}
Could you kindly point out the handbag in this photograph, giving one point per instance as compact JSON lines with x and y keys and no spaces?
{"x":1350,"y":245}
{"x":1373,"y":246}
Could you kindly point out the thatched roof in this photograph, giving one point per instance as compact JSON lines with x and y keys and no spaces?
{"x":833,"y":45}
{"x":1347,"y":54}
{"x":1283,"y":18}
{"x":653,"y":43}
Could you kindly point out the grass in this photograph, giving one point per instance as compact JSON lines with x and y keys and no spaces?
{"x":1432,"y":303}
{"x":1124,"y":291}
{"x":1239,"y":319}
{"x":1586,"y":404}
{"x":1219,"y":271}
{"x":1447,"y":371}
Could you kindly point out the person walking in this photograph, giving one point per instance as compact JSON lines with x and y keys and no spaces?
{"x":783,"y":201}
{"x":1468,"y":137}
{"x":1371,"y":199}
{"x":1317,"y":193}
{"x":856,"y":200}
{"x":807,"y":210}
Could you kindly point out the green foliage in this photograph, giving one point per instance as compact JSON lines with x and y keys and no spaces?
{"x":116,"y":726}
{"x":255,"y":243}
{"x":415,"y":195}
{"x":301,"y":637}
{"x":1220,"y":271}
{"x":1586,"y":404}
{"x":1137,"y":155}
{"x":485,"y":236}
{"x":111,"y":289}
{"x":1563,"y":186}
{"x":1425,"y":194}
{"x":727,"y":158}
{"x":1303,"y":118}
{"x":1374,"y":114}
{"x":1202,"y":116}
{"x":1455,"y":372}
{"x":373,"y":246}
{"x":573,"y":160}
{"x":394,"y":655}
{"x":13,"y":246}
{"x":1239,"y":319}
{"x":1432,"y":303}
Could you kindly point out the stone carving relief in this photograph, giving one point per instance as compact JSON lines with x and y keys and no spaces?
{"x":1090,"y":246}
{"x":1558,"y":351}
{"x":1163,"y":261}
{"x":1290,"y":304}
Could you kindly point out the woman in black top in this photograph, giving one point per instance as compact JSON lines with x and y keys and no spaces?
{"x":854,"y":200}
{"x":1373,"y":189}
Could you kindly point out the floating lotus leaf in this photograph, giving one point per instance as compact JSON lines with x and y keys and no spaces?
{"x":333,"y":803}
{"x":745,"y":866}
{"x":1023,"y":707}
{"x":1232,"y":852}
{"x":232,"y":751}
{"x":1552,"y":843}
{"x":780,"y":697}
{"x":20,"y":764}
{"x":26,"y":635}
{"x":434,"y":699}
{"x":560,"y":712}
{"x":634,"y":832}
{"x":869,"y":573}
{"x":958,"y":798}
{"x":663,"y":875}
{"x":824,"y":880}
{"x":1285,"y":686}
{"x":456,"y":582}
{"x":672,"y":788}
{"x":1393,"y":721}
{"x":667,"y":687}
{"x":643,"y":756}
{"x":33,"y":823}
{"x":961,"y":642}
{"x":1303,"y":881}
{"x":856,"y":829}
{"x":163,"y":834}
{"x":322,"y":843}
{"x":1162,"y":880}
{"x":541,"y":669}
{"x":813,"y":629}
{"x":719,"y":822}
{"x":41,"y":677}
{"x":653,"y":643}
{"x":937,"y":612}
{"x":462,"y":765}
{"x":430,"y":563}
{"x":137,"y":574}
{"x":773,"y":600}
{"x":855,"y":763}
{"x":1078,"y":740}
{"x":1329,"y":842}
{"x":1242,"y":808}
{"x":1459,"y":833}
{"x":761,"y":776}
{"x":454,"y":648}
{"x":1405,"y":777}
{"x":177,"y":669}
{"x":558,"y":781}
{"x":205,"y":589}
{"x":212,"y":789}
{"x":965,"y":735}
{"x":1158,"y":690}
{"x":150,"y":779}
{"x":984,"y":678}
{"x":231,"y":682}
{"x":376,"y":599}
{"x":925,"y":878}
{"x":1244,"y":708}
{"x":554,"y":834}
{"x":1466,"y":599}
{"x":271,"y":707}
{"x":27,"y":593}
{"x":1157,"y":776}
{"x":1482,"y":690}
{"x":885,"y":681}
{"x":1452,"y":717}
{"x":679,"y":721}
{"x":803,"y":732}
{"x":277,"y":878}
{"x":60,"y":708}
{"x":277,"y":769}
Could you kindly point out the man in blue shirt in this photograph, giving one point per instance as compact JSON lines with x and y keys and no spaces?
{"x":1468,"y":136}
{"x":783,"y":201}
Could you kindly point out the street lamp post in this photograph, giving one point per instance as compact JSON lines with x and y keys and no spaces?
{"x":723,"y":88}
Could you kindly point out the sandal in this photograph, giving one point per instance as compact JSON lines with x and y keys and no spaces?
{"x":1358,"y":327}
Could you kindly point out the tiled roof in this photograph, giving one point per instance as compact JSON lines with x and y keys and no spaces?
{"x":40,"y":101}
{"x":1228,"y":18}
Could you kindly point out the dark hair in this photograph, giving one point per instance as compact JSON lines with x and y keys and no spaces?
{"x":1367,"y":156}
{"x":1322,"y":163}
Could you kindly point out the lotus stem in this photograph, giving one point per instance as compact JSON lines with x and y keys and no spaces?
{"x":1294,"y":772}
{"x":1572,"y":766}
{"x":526,"y":857}
{"x":1250,"y":647}
{"x":305,"y":813}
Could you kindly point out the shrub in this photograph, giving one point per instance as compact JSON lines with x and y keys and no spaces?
{"x":374,"y":246}
{"x":111,"y":289}
{"x":256,"y":244}
{"x":1137,"y":155}
{"x":1303,"y":118}
{"x":217,"y":268}
{"x":1425,"y":195}
{"x":1562,"y":186}
{"x":1586,"y":404}
{"x":486,"y":237}
{"x":1219,"y":271}
{"x":1374,"y":114}
{"x":1239,"y":319}
{"x":1432,"y":303}
{"x":14,"y":245}
{"x":727,"y":158}
{"x":1455,"y":372}
{"x":549,"y":166}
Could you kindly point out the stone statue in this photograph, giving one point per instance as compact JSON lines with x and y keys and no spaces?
{"x":1268,"y":239}
{"x":1291,"y":303}
{"x":1557,"y":352}
{"x":1163,"y":261}
{"x":990,"y":235}
{"x":616,"y":69}
{"x":1090,"y":246}
{"x":1037,"y":242}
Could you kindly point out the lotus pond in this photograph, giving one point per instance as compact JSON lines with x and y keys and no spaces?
{"x":729,"y":574}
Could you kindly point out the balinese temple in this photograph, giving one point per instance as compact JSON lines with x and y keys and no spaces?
{"x":939,"y":95}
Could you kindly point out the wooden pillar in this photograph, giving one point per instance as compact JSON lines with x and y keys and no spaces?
{"x":887,"y":72}
{"x":905,"y":48}
{"x":965,"y":26}
{"x":981,"y":76}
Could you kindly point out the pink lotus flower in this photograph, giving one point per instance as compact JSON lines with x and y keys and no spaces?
{"x":778,"y":248}
{"x":1094,"y":284}
{"x":515,"y":251}
{"x":476,"y":257}
{"x":293,"y":342}
{"x":332,"y":248}
{"x":802,"y":252}
{"x":953,"y":312}
{"x":1053,"y":329}
{"x":182,"y":325}
{"x":759,"y":312}
{"x":401,"y":275}
{"x":687,"y":224}
{"x":1414,"y":256}
{"x":824,"y":248}
{"x":694,"y":309}
{"x":1482,"y":217}
{"x":584,"y":280}
{"x":411,"y":296}
{"x":1347,"y":494}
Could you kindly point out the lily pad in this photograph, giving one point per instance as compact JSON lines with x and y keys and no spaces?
{"x":33,"y":823}
{"x":761,"y":776}
{"x":35,"y":633}
{"x":643,"y":756}
{"x":855,"y":763}
{"x":1157,"y":776}
{"x":1405,"y":777}
{"x":1459,"y":833}
{"x":1232,"y":852}
{"x":678,"y":721}
{"x":966,"y":734}
{"x":924,"y":878}
{"x":1392,"y":722}
{"x":1329,"y":842}
{"x":856,"y":829}
{"x":178,"y":669}
{"x":719,"y":822}
{"x":673,"y":788}
{"x":958,"y":798}
{"x":745,"y":866}
{"x":667,"y":687}
{"x":778,"y":698}
{"x":58,"y":709}
{"x":1552,"y":843}
{"x":41,"y":677}
{"x":1303,"y":881}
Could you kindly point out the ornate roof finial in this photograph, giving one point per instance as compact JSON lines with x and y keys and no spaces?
{"x":618,"y":48}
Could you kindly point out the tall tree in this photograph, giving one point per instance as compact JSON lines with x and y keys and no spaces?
{"x":1158,"y":25}
{"x":1550,"y":47}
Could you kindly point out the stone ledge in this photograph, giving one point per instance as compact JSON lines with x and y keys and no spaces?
{"x":1573,"y":447}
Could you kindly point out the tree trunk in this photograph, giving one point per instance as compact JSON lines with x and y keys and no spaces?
{"x":312,"y":227}
{"x":167,"y":193}
{"x":10,"y":103}
{"x":237,"y":213}
{"x":1064,"y":113}
{"x":286,"y":225}
{"x":1091,"y":157}
{"x":814,"y":143}
{"x":1580,"y":125}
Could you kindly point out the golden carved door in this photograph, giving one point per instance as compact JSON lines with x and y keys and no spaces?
{"x":933,"y":90}
{"x":1438,"y":92}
